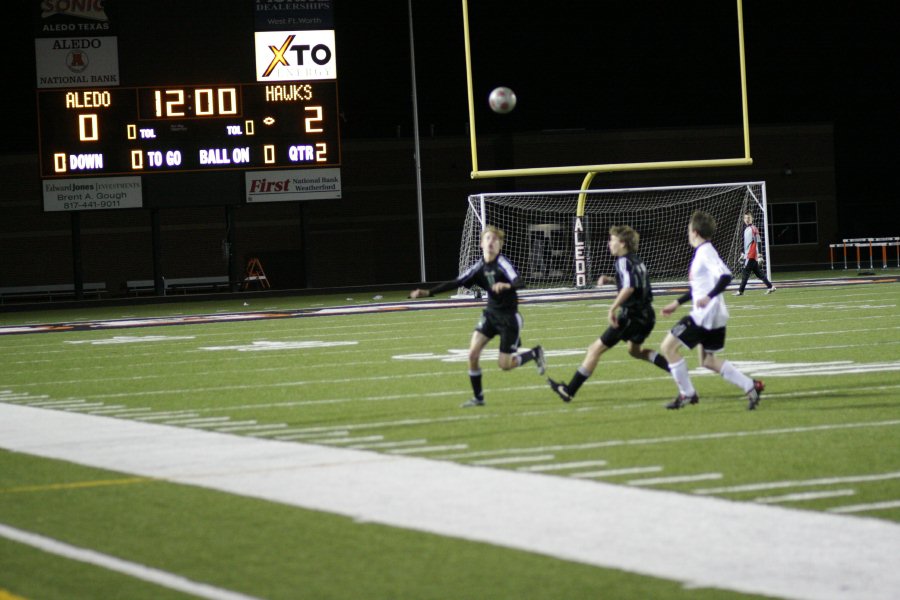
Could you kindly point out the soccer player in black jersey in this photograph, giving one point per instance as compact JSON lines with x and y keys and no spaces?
{"x":497,"y":275}
{"x":631,"y":316}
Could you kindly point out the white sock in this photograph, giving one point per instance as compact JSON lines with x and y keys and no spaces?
{"x":735,"y":377}
{"x":679,"y":372}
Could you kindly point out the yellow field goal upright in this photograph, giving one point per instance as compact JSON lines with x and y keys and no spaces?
{"x":591,"y":169}
{"x":543,"y":239}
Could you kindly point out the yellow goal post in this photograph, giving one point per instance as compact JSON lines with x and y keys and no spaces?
{"x":590,"y":170}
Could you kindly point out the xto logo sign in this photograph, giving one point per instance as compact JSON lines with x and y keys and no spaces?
{"x":295,"y":55}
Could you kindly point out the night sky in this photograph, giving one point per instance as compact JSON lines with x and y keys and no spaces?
{"x":586,"y":64}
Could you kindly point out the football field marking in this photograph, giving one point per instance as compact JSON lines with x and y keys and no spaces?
{"x":138,"y":571}
{"x":774,"y":485}
{"x":804,"y":496}
{"x":866,"y":507}
{"x":675,"y":479}
{"x":672,"y":439}
{"x":749,"y":548}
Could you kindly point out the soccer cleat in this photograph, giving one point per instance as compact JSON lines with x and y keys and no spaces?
{"x":540,"y":361}
{"x":472,"y":402}
{"x":682,"y":401}
{"x":561,"y":390}
{"x":738,"y":294}
{"x":753,"y":395}
{"x":771,"y":289}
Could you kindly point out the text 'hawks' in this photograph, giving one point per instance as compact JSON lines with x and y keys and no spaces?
{"x":288,"y":93}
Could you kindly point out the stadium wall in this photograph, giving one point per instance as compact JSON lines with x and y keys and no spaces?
{"x":370,"y":236}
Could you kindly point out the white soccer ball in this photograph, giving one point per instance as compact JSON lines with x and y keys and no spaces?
{"x":502,"y":100}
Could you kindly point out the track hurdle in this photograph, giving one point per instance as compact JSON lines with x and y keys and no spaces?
{"x":861,"y":244}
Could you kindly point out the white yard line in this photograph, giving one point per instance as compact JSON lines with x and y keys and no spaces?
{"x":852,"y":508}
{"x":774,"y":485}
{"x":138,"y":571}
{"x":563,"y":466}
{"x":430,"y":449}
{"x":513,"y":460}
{"x":803,"y":496}
{"x":749,"y":548}
{"x":303,"y":434}
{"x":675,"y":479}
{"x":674,"y":439}
{"x":617,"y":472}
{"x":388,"y":445}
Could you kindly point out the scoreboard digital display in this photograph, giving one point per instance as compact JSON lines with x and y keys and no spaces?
{"x":239,"y":107}
{"x":141,"y":130}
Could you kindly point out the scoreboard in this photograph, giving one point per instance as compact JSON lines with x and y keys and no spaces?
{"x":238,"y":103}
{"x":135,"y":131}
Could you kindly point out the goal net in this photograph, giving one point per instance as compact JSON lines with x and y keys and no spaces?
{"x":553,"y":244}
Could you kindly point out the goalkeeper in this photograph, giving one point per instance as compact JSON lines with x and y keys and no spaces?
{"x":496,"y":274}
{"x":631,"y":316}
{"x":752,"y":256}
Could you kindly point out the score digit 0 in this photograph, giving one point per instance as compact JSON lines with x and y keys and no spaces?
{"x":205,"y":104}
{"x":88,"y":131}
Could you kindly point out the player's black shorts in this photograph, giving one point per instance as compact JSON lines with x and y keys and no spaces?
{"x":751,"y":266}
{"x":690,"y":334}
{"x":507,"y":324}
{"x":634,"y":326}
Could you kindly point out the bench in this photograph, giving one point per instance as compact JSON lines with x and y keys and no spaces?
{"x":51,"y":291}
{"x":182,"y":284}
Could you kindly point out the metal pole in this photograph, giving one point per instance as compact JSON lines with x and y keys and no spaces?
{"x":417,"y":156}
{"x":77,"y":267}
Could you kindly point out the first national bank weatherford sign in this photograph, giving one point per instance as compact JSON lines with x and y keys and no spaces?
{"x":293,"y":184}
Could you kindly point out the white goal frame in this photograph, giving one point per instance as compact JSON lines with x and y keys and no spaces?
{"x":553,"y":246}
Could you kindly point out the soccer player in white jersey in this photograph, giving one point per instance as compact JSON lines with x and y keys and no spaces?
{"x":752,"y":256}
{"x":497,"y":275}
{"x":704,"y":327}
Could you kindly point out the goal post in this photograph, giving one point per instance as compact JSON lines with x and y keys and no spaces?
{"x":557,"y":241}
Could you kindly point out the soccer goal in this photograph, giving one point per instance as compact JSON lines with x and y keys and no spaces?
{"x":555,"y":241}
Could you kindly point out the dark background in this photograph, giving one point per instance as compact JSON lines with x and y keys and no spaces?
{"x":574,"y":64}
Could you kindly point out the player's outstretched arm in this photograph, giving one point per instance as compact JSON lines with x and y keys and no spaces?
{"x":672,"y":306}
{"x":419,"y":293}
{"x":669,"y":308}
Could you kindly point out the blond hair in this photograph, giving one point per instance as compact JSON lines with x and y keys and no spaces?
{"x":501,"y":235}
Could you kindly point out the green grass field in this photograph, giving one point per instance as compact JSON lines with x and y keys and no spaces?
{"x":823,"y":439}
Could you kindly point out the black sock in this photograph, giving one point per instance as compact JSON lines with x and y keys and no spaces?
{"x":660,"y":361}
{"x":526,"y":356}
{"x":577,"y":379}
{"x":475,"y":378}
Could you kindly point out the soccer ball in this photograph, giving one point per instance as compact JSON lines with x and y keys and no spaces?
{"x":502,"y":100}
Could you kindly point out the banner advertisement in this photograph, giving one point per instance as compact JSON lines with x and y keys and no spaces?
{"x":103,"y":193}
{"x":272,"y":15}
{"x":292,"y":185}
